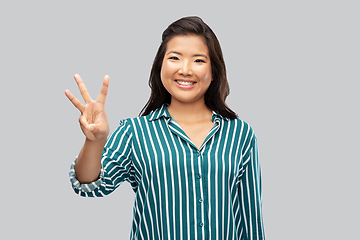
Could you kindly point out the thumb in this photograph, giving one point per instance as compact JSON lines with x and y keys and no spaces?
{"x":90,"y":127}
{"x":85,"y":123}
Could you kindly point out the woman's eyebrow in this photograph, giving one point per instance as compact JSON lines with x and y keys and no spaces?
{"x":200,"y":55}
{"x":174,"y":53}
{"x":195,"y":55}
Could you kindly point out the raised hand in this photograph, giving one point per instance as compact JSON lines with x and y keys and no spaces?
{"x":93,"y":119}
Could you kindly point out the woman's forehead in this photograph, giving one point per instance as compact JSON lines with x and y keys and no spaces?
{"x":187,"y":44}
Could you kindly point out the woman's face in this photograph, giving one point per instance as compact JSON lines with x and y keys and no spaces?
{"x":186,"y":69}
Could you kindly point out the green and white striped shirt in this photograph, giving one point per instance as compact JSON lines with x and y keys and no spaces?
{"x":183,"y":192}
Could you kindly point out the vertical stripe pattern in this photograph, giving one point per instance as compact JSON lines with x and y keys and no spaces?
{"x":182,"y":192}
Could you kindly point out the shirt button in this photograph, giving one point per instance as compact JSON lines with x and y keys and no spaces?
{"x":199,"y":176}
{"x":201,"y":224}
{"x":200,"y":200}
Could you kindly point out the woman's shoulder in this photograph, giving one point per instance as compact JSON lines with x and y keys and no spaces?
{"x":241,"y":124}
{"x":238,"y":121}
{"x":133,"y":121}
{"x":143,"y":120}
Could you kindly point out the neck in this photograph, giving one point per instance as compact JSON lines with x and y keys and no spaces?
{"x":189,"y":112}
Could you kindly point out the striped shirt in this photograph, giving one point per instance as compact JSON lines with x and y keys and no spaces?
{"x":183,"y":192}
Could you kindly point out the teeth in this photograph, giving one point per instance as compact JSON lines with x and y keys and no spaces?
{"x":185,"y":83}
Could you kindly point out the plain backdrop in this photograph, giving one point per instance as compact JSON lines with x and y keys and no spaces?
{"x":293,"y":70}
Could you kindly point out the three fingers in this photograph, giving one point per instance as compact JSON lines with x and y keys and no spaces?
{"x":85,"y":94}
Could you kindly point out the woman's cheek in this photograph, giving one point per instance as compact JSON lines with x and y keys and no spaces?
{"x":165,"y":70}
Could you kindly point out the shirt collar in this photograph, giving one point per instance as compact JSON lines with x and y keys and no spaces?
{"x":163,"y":112}
{"x":217,"y":116}
{"x":159,"y":113}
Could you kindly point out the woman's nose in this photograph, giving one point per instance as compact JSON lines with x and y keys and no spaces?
{"x":185,"y":69}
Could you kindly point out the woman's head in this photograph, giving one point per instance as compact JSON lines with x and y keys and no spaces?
{"x":218,"y":90}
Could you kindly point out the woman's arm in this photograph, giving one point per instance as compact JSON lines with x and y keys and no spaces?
{"x":88,"y":163}
{"x":250,"y":192}
{"x":94,"y":124}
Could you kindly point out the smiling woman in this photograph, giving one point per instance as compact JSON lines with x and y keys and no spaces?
{"x":218,"y":90}
{"x":186,"y":69}
{"x":191,"y":162}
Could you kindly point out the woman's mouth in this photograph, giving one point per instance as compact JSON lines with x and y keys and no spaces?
{"x":185,"y":83}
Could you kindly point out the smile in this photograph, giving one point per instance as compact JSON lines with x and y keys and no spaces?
{"x":185,"y":83}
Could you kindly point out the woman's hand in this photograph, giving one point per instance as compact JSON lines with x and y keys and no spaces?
{"x":93,"y":119}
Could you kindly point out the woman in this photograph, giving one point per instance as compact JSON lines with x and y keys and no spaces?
{"x":191,"y":162}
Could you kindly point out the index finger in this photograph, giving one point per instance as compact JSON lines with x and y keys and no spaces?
{"x":83,"y":90}
{"x":104,"y":89}
{"x":75,"y":101}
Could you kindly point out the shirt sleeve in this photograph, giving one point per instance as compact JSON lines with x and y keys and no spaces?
{"x":116,"y":165}
{"x":250,"y":191}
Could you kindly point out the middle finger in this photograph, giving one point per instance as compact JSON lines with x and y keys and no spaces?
{"x":83,"y":90}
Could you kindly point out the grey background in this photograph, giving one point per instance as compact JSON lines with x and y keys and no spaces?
{"x":293,"y":69}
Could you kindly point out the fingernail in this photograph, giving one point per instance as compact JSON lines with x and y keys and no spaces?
{"x":90,"y":128}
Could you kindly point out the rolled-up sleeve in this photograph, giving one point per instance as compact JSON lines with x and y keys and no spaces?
{"x":116,"y":165}
{"x":250,"y":192}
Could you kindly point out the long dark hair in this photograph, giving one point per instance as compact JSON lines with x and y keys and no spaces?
{"x":219,"y":88}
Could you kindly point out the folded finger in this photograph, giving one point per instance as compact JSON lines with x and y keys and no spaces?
{"x":83,"y":90}
{"x":83,"y":122}
{"x":75,"y":101}
{"x":104,"y":90}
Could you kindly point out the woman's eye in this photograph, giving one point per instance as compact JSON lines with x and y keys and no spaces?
{"x":174,"y":58}
{"x":199,"y":60}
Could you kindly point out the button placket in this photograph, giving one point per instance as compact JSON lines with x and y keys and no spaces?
{"x":199,"y":175}
{"x":200,"y":199}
